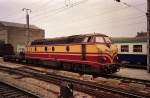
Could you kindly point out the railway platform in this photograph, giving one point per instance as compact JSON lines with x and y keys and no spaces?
{"x":134,"y":73}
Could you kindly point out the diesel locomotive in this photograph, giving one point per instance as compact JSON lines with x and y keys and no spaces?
{"x":88,"y":53}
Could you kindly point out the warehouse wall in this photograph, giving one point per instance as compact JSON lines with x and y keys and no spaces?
{"x":3,"y":36}
{"x":18,"y":37}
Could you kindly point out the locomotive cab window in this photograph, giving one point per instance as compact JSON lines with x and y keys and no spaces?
{"x":99,"y":39}
{"x":124,"y":48}
{"x":85,"y":40}
{"x":88,"y":39}
{"x":107,"y":40}
{"x":137,"y":48}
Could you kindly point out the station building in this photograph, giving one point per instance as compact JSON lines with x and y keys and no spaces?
{"x":17,"y":34}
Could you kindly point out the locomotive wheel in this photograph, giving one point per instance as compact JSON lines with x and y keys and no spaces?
{"x":82,"y":68}
{"x":76,"y":67}
{"x":29,"y":61}
{"x":67,"y":66}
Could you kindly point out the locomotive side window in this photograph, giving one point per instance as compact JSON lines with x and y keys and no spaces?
{"x":45,"y":49}
{"x":67,"y":48}
{"x":137,"y":48}
{"x":107,"y":39}
{"x":88,"y":39}
{"x":85,"y":40}
{"x":124,"y":48}
{"x":53,"y":48}
{"x":100,"y":39}
{"x":35,"y":49}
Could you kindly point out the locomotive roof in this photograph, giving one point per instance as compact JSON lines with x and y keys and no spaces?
{"x":64,"y":40}
{"x":77,"y":36}
{"x":129,"y":40}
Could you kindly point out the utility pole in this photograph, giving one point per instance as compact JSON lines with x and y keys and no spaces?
{"x":27,"y":23}
{"x":148,"y":35}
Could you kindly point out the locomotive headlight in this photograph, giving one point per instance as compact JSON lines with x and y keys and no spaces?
{"x":117,"y":58}
{"x":103,"y":60}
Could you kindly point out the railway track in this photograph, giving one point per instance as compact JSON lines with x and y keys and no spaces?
{"x":128,"y":80}
{"x":7,"y":91}
{"x":112,"y":76}
{"x":91,"y":88}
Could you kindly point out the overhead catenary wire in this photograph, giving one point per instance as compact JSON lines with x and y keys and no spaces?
{"x":124,"y":3}
{"x":47,"y":17}
{"x":61,"y":9}
{"x":35,"y":5}
{"x":48,"y":11}
{"x":116,"y":23}
{"x":104,"y":13}
{"x":58,"y":10}
{"x":93,"y":25}
{"x":45,"y":8}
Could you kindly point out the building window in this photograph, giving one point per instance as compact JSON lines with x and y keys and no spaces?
{"x":124,"y":48}
{"x":137,"y":48}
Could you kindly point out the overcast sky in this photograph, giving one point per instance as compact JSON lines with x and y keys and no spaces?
{"x":60,"y":18}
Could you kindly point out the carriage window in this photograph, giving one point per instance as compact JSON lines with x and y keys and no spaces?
{"x":124,"y":48}
{"x":100,"y":39}
{"x":137,"y":48}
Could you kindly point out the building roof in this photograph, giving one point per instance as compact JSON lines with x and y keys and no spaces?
{"x":19,"y":25}
{"x":141,"y":34}
{"x":129,"y":40}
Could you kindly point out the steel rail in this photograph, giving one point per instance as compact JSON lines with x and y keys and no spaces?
{"x":127,"y":79}
{"x":9,"y":91}
{"x":51,"y":77}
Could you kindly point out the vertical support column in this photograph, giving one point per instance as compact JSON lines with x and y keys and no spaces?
{"x":148,"y":35}
{"x":83,"y":47}
{"x":27,"y":23}
{"x":28,"y":33}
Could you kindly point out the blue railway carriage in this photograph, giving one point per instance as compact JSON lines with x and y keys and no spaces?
{"x":132,"y":50}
